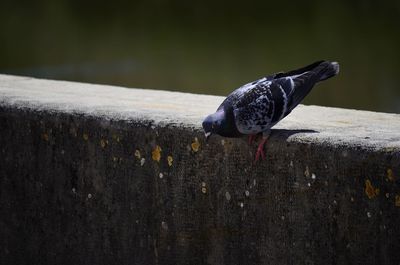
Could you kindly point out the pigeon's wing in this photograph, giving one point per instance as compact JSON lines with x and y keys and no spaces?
{"x":259,"y":105}
{"x":238,"y":93}
{"x":301,"y":81}
{"x":260,"y":108}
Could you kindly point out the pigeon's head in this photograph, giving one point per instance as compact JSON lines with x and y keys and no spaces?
{"x":214,"y":123}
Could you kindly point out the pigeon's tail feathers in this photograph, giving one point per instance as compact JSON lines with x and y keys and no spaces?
{"x":331,"y":70}
{"x":303,"y":83}
{"x":298,"y":71}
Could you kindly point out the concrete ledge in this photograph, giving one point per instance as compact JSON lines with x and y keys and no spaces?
{"x":93,"y":174}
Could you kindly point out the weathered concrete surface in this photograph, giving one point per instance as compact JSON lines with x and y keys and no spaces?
{"x":80,"y":182}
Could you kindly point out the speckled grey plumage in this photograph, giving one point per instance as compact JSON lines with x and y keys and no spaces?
{"x":257,"y":106}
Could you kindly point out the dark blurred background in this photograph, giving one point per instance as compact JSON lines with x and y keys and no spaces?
{"x":208,"y":46}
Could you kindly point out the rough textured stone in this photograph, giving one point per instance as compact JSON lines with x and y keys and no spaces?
{"x":80,"y":182}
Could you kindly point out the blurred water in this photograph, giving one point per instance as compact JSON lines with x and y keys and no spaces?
{"x":208,"y":47}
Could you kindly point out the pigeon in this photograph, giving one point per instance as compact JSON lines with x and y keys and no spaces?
{"x":254,"y":108}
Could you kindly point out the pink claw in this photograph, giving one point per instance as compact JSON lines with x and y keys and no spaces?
{"x":260,"y":150}
{"x":252,"y":137}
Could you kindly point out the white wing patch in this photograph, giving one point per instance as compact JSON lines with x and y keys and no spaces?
{"x":291,"y":84}
{"x":285,"y":101}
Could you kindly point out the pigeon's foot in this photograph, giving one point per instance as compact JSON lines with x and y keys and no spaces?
{"x":252,"y":137}
{"x":260,"y":150}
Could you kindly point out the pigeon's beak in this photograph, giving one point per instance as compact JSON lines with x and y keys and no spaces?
{"x":207,"y":134}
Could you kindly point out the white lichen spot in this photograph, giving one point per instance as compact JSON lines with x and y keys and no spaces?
{"x":73,"y":190}
{"x":223,"y":142}
{"x":227,"y":196}
{"x":387,"y":195}
{"x":164,"y":225}
{"x":137,"y":221}
{"x":161,"y":175}
{"x":309,"y":184}
{"x":283,"y":217}
{"x":247,"y":193}
{"x":203,"y":187}
{"x":254,"y":182}
{"x":291,"y":163}
{"x":152,"y":127}
{"x":62,"y":151}
{"x":89,"y":196}
{"x":334,"y":202}
{"x":352,"y":199}
{"x":369,"y":214}
{"x":313,"y":176}
{"x":241,"y":204}
{"x":142,"y":161}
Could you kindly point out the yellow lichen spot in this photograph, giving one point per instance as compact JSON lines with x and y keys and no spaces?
{"x":137,"y":154}
{"x":307,"y":172}
{"x":227,"y":145}
{"x":370,"y":190}
{"x":170,"y":160}
{"x":116,"y":137}
{"x":45,"y":137}
{"x":397,"y":200}
{"x":156,"y":153}
{"x":103,"y":143}
{"x":85,"y":136}
{"x":390,"y":175}
{"x":195,"y":145}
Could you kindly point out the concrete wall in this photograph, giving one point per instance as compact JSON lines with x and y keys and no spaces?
{"x":95,"y":174}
